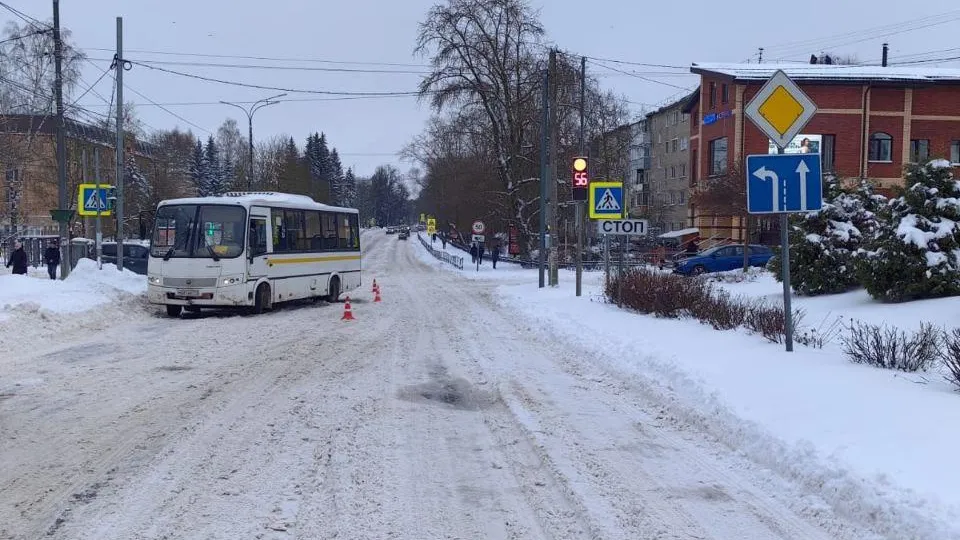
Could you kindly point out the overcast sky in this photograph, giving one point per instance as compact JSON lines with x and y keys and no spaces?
{"x":368,"y":132}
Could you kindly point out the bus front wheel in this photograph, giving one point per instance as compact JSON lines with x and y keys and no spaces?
{"x":261,"y":300}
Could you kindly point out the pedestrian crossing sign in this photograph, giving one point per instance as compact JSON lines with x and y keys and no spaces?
{"x":89,"y":199}
{"x":606,"y":200}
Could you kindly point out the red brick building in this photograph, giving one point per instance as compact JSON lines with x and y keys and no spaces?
{"x":871,"y":122}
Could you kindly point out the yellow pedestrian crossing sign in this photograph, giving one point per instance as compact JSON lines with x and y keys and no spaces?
{"x":606,"y":200}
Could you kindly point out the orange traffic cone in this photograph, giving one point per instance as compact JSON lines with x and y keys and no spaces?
{"x":347,"y":311}
{"x":374,"y":289}
{"x":376,"y":297}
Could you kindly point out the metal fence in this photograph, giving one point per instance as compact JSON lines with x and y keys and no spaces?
{"x":442,"y":255}
{"x":36,"y":245}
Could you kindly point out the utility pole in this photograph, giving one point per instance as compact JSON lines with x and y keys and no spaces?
{"x":552,"y":174}
{"x":579,"y":204}
{"x":256,"y":106}
{"x":119,"y":205}
{"x":63,"y":199}
{"x":544,"y":126}
{"x":98,"y":242}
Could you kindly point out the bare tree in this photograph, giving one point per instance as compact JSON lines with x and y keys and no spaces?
{"x":726,"y":195}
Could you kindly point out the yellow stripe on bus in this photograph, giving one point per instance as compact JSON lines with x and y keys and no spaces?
{"x":314,"y":259}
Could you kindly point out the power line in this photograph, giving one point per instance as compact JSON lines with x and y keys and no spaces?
{"x":24,"y":17}
{"x":168,"y":111}
{"x":294,"y":100}
{"x":641,"y":77}
{"x":90,"y":88}
{"x":25,"y":36}
{"x":641,"y":64}
{"x":266,"y":58}
{"x":283,"y":68}
{"x":264,"y":87}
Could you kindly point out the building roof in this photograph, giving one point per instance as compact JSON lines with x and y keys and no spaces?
{"x":834,"y":73}
{"x":682,"y":103}
{"x":46,"y":124}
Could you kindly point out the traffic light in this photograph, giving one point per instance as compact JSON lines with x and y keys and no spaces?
{"x":581,"y":178}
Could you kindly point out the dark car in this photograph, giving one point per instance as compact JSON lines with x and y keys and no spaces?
{"x":404,"y":234}
{"x":135,"y":256}
{"x":391,"y":230}
{"x":721,"y":259}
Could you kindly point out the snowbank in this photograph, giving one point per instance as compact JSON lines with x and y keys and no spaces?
{"x":87,"y":287}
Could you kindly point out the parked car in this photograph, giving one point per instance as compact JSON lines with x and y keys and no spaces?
{"x":391,"y":230}
{"x":721,"y":259}
{"x":134,"y":256}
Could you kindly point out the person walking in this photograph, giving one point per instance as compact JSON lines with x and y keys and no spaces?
{"x":52,"y":257}
{"x":18,"y":259}
{"x":473,"y":253}
{"x":479,"y":253}
{"x":495,"y":256}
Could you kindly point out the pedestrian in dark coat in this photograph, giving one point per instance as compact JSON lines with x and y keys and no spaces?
{"x":52,"y":258}
{"x":18,"y":259}
{"x":480,"y":252}
{"x":495,"y":256}
{"x":473,"y":253}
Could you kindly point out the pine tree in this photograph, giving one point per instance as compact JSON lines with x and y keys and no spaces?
{"x":294,"y":176}
{"x":336,"y":179}
{"x":197,"y":173}
{"x":323,"y":165}
{"x":213,"y":169}
{"x":916,"y":253}
{"x":349,"y":189}
{"x":137,"y":183}
{"x":824,"y":244}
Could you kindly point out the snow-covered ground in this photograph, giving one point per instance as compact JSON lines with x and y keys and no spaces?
{"x":438,"y":413}
{"x":874,"y":444}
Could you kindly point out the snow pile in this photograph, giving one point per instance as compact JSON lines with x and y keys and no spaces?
{"x":87,"y":287}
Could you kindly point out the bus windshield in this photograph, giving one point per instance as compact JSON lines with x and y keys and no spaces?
{"x":199,"y":231}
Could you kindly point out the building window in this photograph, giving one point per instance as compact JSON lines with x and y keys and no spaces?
{"x":724,"y":94}
{"x":684,"y":118}
{"x":695,"y":119}
{"x":673,"y":171}
{"x":718,"y":156}
{"x":674,"y":144}
{"x":955,"y":152}
{"x":683,"y":143}
{"x":682,"y":195}
{"x":683,"y":170}
{"x":666,"y":147}
{"x":713,"y":95}
{"x":919,"y":150}
{"x":694,"y":165}
{"x":827,"y":152}
{"x":881,"y":147}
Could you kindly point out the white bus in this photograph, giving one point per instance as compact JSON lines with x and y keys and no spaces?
{"x":251,"y":249}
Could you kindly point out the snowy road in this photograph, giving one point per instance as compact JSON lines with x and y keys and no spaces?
{"x":436,"y":414}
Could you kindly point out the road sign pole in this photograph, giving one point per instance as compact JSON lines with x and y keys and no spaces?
{"x":785,"y":266}
{"x":606,"y":259}
{"x":99,"y":230}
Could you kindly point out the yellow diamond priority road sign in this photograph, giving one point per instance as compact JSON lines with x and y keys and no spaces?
{"x":780,"y":109}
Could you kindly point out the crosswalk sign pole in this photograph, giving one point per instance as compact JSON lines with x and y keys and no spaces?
{"x":99,"y":230}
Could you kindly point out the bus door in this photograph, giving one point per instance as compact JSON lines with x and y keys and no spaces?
{"x":257,"y":243}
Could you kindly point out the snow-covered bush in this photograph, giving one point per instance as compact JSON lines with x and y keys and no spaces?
{"x":950,"y":355}
{"x":916,"y":252}
{"x":892,"y":348}
{"x":823,"y":244}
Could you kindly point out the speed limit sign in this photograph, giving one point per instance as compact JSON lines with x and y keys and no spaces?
{"x":479,"y":227}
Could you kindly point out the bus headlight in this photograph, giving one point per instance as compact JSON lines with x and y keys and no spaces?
{"x":155,"y":280}
{"x":231,"y":280}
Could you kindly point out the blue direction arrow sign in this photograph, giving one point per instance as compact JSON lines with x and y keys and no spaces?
{"x":781,"y":183}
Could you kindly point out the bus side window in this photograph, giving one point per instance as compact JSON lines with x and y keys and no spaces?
{"x":329,"y":225}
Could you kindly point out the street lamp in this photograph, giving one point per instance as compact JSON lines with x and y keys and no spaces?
{"x":256,"y":106}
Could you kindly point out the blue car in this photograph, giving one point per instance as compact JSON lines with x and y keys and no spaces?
{"x":721,"y":259}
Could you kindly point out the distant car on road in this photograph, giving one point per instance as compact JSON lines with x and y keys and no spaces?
{"x":391,"y":230}
{"x":404,"y":234}
{"x":721,"y":259}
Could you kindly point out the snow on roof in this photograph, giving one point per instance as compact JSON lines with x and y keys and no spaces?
{"x":830,"y":72}
{"x":680,"y":232}
{"x":265,"y":198}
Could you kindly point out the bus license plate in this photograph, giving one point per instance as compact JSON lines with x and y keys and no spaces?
{"x":188,"y":293}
